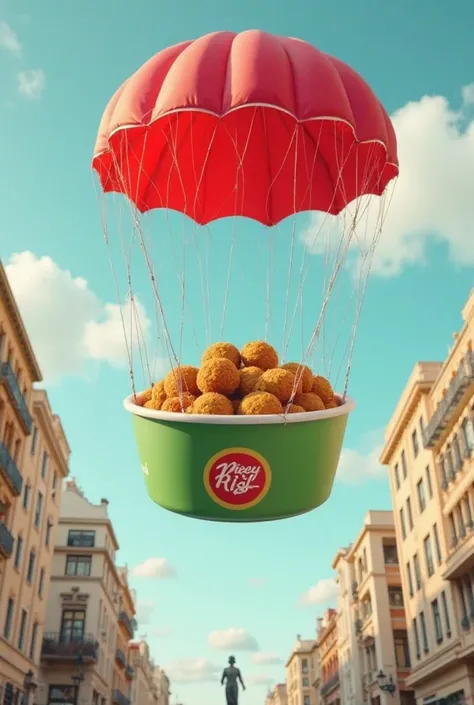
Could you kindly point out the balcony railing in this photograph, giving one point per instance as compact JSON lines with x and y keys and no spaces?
{"x":119,"y":698}
{"x":463,"y":378}
{"x":10,"y":470}
{"x":130,"y":672}
{"x":7,"y":374}
{"x":330,"y":684}
{"x":6,"y":541}
{"x":67,"y":647}
{"x":120,"y":657}
{"x":130,"y":624}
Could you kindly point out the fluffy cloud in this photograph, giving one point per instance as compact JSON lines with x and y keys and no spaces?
{"x":154,"y":568}
{"x":145,"y":609}
{"x":261,"y":679}
{"x":432,"y":199}
{"x":362,"y":465}
{"x":66,"y":321}
{"x":264,"y":658}
{"x":323,"y":592}
{"x":192,"y":671}
{"x":31,"y":83}
{"x":9,"y":39}
{"x":233,"y":639}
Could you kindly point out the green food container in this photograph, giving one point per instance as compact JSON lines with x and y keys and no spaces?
{"x":239,"y":468}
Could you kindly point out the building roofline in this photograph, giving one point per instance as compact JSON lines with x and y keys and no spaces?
{"x":367,"y":528}
{"x":41,"y":401}
{"x":6,"y":294}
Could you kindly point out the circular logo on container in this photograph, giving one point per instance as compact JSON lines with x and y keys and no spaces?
{"x":237,"y":478}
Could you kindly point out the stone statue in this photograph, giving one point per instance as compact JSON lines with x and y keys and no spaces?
{"x":231,"y":675}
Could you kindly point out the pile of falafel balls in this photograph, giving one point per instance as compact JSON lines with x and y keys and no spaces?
{"x":247,"y":382}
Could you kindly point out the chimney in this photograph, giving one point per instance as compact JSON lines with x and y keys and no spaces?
{"x":104,"y":501}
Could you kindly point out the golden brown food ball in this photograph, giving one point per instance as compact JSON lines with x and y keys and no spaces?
{"x":259,"y":354}
{"x":322,"y":388}
{"x":294,"y":409}
{"x":226,"y":350}
{"x":309,"y":401}
{"x":213,"y":403}
{"x":279,"y":382}
{"x":149,"y":405}
{"x":303,"y":372}
{"x":218,"y":375}
{"x":249,"y":377}
{"x":257,"y":403}
{"x":158,"y":394}
{"x":178,"y":404}
{"x":142,"y":397}
{"x":332,"y":404}
{"x":181,"y":379}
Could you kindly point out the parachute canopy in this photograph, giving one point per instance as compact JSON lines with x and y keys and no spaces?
{"x":246,"y":124}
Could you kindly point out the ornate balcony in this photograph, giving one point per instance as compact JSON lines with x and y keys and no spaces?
{"x":119,"y":698}
{"x":459,"y":384}
{"x":6,"y":541}
{"x":10,"y":471}
{"x":67,"y":647}
{"x":129,"y":624}
{"x":120,"y":658}
{"x":330,"y":684}
{"x":8,"y":376}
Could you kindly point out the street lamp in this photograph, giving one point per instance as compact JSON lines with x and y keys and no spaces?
{"x":385,"y":683}
{"x":29,"y":686}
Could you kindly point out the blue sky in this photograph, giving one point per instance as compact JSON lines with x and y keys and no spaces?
{"x":242,"y":577}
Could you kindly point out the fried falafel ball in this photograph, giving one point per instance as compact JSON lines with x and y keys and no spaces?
{"x":212,"y":403}
{"x":333,"y":404}
{"x":309,"y":401}
{"x":302,"y":372}
{"x":226,"y":350}
{"x":280,"y":382}
{"x":158,"y":395}
{"x":258,"y":403}
{"x":143,"y":397}
{"x":178,"y":404}
{"x":218,"y":375}
{"x":259,"y":354}
{"x":322,"y":388}
{"x":294,"y":409}
{"x":181,"y":379}
{"x":249,"y":377}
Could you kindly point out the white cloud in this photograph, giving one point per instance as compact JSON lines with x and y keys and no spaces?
{"x":192,"y":671}
{"x":9,"y":38}
{"x":154,"y":568}
{"x":256,"y":582}
{"x":432,"y":200}
{"x":362,"y":465}
{"x":324,"y":591}
{"x":31,"y":83}
{"x":261,"y":679}
{"x":233,"y":639}
{"x":264,"y":658}
{"x":145,"y":609}
{"x":66,"y":321}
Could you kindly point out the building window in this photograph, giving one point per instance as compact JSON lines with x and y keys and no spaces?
{"x":26,"y":495}
{"x":41,"y":583}
{"x":409,"y":514}
{"x":21,"y":634}
{"x":55,"y":480}
{"x":402,"y":653}
{"x":446,"y":614}
{"x":38,"y":510}
{"x":402,"y":524}
{"x":34,"y":440}
{"x":78,"y":565}
{"x":410,"y":579}
{"x":84,"y":539}
{"x":306,"y":700}
{"x":468,"y":433}
{"x":467,"y":511}
{"x":395,"y":596}
{"x":47,"y":536}
{"x":396,"y":475}
{"x":31,"y":567}
{"x":414,"y":442}
{"x":62,"y":695}
{"x":304,"y":665}
{"x":7,"y":627}
{"x":72,"y":625}
{"x":44,"y":465}
{"x":428,"y":555}
{"x":390,"y":556}
{"x":428,"y":481}
{"x":305,"y":682}
{"x":34,"y":637}
{"x":457,"y":454}
{"x":417,"y":638}
{"x":424,"y":633}
{"x":452,"y":526}
{"x":404,"y":465}
{"x":420,"y":489}
{"x":18,"y":552}
{"x":437,"y":621}
{"x":416,"y":565}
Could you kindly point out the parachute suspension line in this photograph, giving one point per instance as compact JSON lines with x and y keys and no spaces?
{"x":268,"y":306}
{"x":227,"y":284}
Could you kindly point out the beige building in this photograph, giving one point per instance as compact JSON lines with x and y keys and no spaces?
{"x":328,"y":655}
{"x":144,"y":687}
{"x":277,"y":695}
{"x":301,"y":673}
{"x":371,"y":625}
{"x":429,"y":448}
{"x":90,"y":617}
{"x":163,"y":686}
{"x":34,"y":457}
